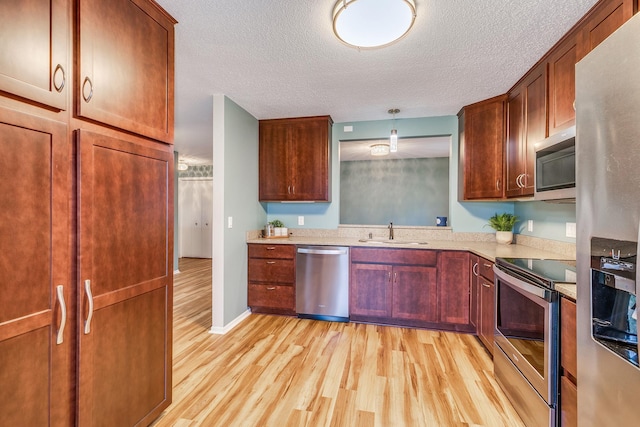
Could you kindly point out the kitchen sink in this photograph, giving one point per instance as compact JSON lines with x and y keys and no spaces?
{"x":394,"y":241}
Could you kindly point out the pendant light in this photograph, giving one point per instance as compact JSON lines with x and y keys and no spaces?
{"x":370,"y":24}
{"x":393,"y":139}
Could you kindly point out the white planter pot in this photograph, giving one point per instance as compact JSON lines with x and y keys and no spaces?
{"x":504,"y":237}
{"x":281,"y":231}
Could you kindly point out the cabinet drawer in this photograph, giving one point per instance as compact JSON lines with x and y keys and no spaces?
{"x":271,"y":270}
{"x":568,"y":348}
{"x":485,"y":268}
{"x":272,"y":296}
{"x":395,"y":256}
{"x":568,"y":403}
{"x":272,"y":251}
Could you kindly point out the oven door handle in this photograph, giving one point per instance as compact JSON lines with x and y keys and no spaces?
{"x":537,"y":291}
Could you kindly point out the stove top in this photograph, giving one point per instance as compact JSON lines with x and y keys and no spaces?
{"x":545,"y":272}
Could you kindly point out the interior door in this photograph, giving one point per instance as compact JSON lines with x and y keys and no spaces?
{"x":206,"y":204}
{"x":189,"y":217}
{"x":36,"y":305}
{"x":125,"y":278}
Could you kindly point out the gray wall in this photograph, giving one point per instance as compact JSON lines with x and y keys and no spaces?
{"x":402,"y":191}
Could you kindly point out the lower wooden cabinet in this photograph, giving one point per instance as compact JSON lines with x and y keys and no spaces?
{"x":486,"y":303}
{"x":568,"y":363}
{"x":454,"y":296}
{"x":271,"y":278}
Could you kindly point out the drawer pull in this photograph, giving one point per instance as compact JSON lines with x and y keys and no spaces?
{"x":486,"y":285}
{"x":271,"y":248}
{"x":63,"y":314}
{"x":486,"y":265}
{"x":273,"y":288}
{"x":271,"y":262}
{"x":87,"y":323}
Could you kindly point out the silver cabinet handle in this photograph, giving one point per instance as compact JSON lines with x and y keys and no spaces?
{"x":271,"y":262}
{"x":487,"y":265}
{"x":87,"y":323}
{"x":272,"y":288}
{"x":293,"y":189}
{"x":389,"y":277}
{"x":486,"y":285}
{"x":519,"y":181}
{"x":271,"y":248}
{"x":288,"y":189}
{"x":498,"y":184}
{"x":84,"y":85}
{"x":475,"y":269}
{"x":59,"y":88}
{"x":63,"y":314}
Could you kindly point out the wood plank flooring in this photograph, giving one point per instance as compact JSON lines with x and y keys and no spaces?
{"x":282,"y":371}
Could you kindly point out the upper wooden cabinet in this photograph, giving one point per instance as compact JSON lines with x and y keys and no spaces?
{"x":562,"y":84}
{"x":295,"y":159}
{"x":482,"y":132}
{"x":603,"y":20}
{"x":35,"y":50}
{"x":125,"y":66}
{"x":526,"y":125}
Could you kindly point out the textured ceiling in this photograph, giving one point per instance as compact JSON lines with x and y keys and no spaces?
{"x":280,"y":59}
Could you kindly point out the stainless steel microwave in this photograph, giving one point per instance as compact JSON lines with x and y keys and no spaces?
{"x":555,"y":172}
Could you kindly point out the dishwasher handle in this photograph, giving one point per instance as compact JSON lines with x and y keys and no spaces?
{"x":322,"y":251}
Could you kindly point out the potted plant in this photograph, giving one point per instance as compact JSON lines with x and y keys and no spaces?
{"x":278,"y":227}
{"x":503,"y":224}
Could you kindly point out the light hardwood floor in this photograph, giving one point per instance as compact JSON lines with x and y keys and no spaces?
{"x":283,"y":371}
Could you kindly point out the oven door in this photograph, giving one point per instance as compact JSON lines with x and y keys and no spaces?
{"x":527,"y":331}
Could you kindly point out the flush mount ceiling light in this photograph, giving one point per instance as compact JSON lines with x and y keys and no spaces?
{"x":182,"y":166}
{"x":393,"y":139}
{"x":369,"y":24}
{"x":380,"y":149}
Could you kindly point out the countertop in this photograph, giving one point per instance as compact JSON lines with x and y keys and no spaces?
{"x":487,"y":250}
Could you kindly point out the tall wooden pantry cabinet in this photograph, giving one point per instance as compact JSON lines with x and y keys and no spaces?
{"x":86,"y":212}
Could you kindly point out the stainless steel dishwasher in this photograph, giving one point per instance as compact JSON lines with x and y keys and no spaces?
{"x":322,"y":282}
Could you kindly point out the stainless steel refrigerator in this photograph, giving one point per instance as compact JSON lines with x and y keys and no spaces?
{"x":608,"y":214}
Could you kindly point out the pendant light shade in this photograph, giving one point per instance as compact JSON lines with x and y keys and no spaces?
{"x":393,"y":139}
{"x":369,"y":24}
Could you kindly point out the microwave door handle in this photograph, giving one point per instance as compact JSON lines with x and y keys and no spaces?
{"x":522,"y":285}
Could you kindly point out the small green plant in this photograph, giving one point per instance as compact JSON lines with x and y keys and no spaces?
{"x":502,"y":222}
{"x":277,"y":223}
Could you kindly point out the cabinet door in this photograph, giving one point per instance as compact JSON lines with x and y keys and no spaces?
{"x":568,"y":337}
{"x":453,"y":287}
{"x":126,"y":66}
{"x":125,"y":223}
{"x":605,"y":19}
{"x":514,"y":144}
{"x":483,"y":149}
{"x":310,"y":159}
{"x":562,"y":85}
{"x":370,"y":291}
{"x":487,"y":313}
{"x":41,"y":28}
{"x":473,"y":281}
{"x":36,"y":335}
{"x":414,"y":293}
{"x":535,"y":125}
{"x":274,"y":168}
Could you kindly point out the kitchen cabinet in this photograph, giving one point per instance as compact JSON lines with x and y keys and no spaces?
{"x":486,"y":303}
{"x":606,"y":17}
{"x":295,"y":159}
{"x":562,"y":84}
{"x":526,"y":125}
{"x":482,"y":133}
{"x":454,"y":296}
{"x":126,"y":278}
{"x":271,"y":278}
{"x":473,"y":284}
{"x":394,"y":286}
{"x":86,"y":323}
{"x":568,"y":363}
{"x":126,"y":81}
{"x":37,"y":339}
{"x":34,"y":64}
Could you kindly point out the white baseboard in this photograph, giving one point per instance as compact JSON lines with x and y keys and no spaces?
{"x":223,"y":330}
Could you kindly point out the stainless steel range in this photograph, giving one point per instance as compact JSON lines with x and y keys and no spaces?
{"x":526,"y":337}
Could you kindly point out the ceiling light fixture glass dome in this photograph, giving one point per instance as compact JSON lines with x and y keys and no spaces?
{"x":370,"y":24}
{"x":380,"y":149}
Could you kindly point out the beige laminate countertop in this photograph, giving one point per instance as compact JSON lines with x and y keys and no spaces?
{"x":487,"y":250}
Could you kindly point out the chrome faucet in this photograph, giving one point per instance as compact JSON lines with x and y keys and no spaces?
{"x":390,"y":231}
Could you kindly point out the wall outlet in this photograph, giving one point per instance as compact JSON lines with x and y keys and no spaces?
{"x":348,"y":129}
{"x":571,"y":229}
{"x":230,"y":222}
{"x":300,"y":220}
{"x":530,"y":225}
